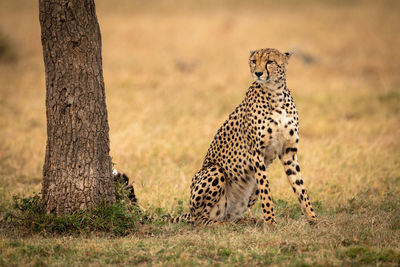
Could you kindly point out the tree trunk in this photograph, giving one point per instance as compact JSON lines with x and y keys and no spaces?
{"x":77,"y":169}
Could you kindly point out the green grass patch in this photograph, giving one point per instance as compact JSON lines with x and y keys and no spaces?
{"x":369,"y":255}
{"x":366,"y":200}
{"x":118,"y":219}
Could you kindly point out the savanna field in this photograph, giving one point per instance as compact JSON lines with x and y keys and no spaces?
{"x":174,"y":70}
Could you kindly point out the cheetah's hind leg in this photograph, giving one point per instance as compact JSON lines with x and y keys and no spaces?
{"x":207,"y":198}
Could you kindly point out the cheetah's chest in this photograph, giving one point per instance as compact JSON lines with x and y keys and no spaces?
{"x":278,"y":137}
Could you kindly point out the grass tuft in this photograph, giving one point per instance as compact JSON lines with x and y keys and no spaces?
{"x":368,"y":255}
{"x":119,"y":219}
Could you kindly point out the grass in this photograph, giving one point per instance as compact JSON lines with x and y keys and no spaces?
{"x":173,"y":72}
{"x":119,"y":219}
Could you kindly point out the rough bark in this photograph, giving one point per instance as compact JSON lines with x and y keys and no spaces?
{"x":77,"y":168}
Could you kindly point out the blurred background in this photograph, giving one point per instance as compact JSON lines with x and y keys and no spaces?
{"x":174,"y":70}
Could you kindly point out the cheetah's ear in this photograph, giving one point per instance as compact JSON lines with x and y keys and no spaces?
{"x":252,"y":53}
{"x":288,"y":55}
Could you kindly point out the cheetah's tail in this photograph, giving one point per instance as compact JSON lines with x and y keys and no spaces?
{"x":183,"y":218}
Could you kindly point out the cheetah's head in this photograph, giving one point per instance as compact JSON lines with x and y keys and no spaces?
{"x":268,"y":66}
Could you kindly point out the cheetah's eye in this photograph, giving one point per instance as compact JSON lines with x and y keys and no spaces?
{"x":254,"y":61}
{"x":268,"y":62}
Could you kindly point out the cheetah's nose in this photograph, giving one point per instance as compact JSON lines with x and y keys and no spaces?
{"x":258,"y":74}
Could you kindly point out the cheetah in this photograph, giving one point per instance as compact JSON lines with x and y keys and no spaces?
{"x":264,"y":126}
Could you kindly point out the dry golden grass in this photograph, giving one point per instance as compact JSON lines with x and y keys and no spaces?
{"x":173,"y":72}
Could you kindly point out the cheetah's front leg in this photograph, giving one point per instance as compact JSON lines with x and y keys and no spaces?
{"x":292,"y":170}
{"x":264,"y":191}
